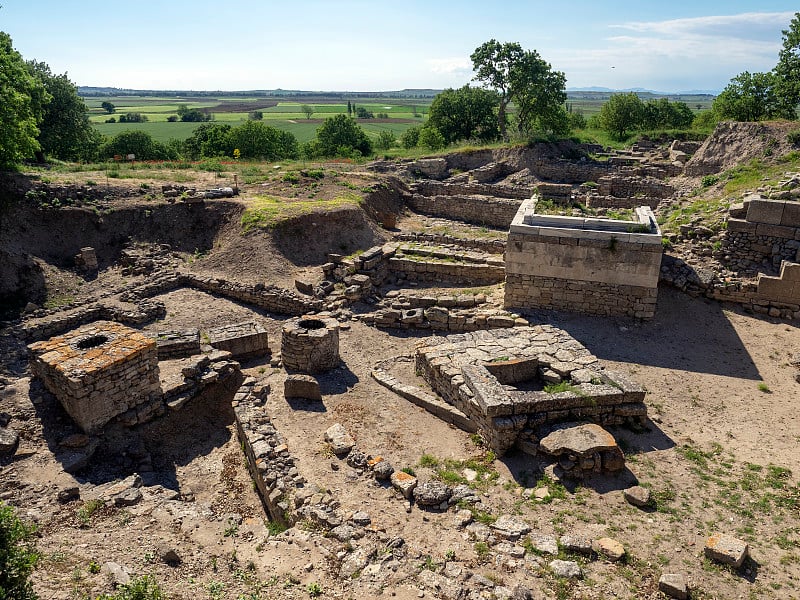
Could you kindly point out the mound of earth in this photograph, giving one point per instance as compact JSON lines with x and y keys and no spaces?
{"x":734,"y":143}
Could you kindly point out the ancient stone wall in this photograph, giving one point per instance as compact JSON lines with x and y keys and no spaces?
{"x":100,"y":371}
{"x":480,"y":210}
{"x":768,"y":234}
{"x":569,"y":263}
{"x":490,"y":246}
{"x":470,"y":274}
{"x":473,"y":372}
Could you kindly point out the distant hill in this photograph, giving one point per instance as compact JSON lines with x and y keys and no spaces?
{"x":94,"y":91}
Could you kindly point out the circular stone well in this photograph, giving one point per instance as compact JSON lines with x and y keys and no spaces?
{"x":310,"y":344}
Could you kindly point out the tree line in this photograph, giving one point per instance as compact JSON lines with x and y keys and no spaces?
{"x":519,"y":94}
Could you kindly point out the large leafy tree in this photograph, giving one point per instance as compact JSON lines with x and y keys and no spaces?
{"x":22,"y":98}
{"x":340,"y":135}
{"x":787,"y":71}
{"x":523,"y":77}
{"x":621,"y":113}
{"x":539,"y":94}
{"x":65,"y":131}
{"x":139,"y":143}
{"x":209,"y":140}
{"x":465,"y":113}
{"x":254,"y":139}
{"x":748,"y":97}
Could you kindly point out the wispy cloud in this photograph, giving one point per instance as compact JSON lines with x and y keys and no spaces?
{"x":744,"y":26}
{"x":705,"y":52}
{"x":450,"y":66}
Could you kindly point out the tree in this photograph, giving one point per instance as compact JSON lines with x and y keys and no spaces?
{"x":307,"y":110}
{"x":139,"y":143}
{"x":256,"y":115}
{"x":349,"y":109}
{"x":133,"y":117}
{"x":465,"y":113}
{"x":523,"y":77}
{"x":254,"y":139}
{"x":340,"y":135}
{"x":748,"y":97}
{"x":65,"y":131}
{"x":431,"y":138}
{"x":539,"y":94}
{"x":363,"y":113}
{"x":209,"y":140}
{"x":18,"y":556}
{"x":108,"y":107}
{"x":663,"y":114}
{"x":787,"y":72}
{"x":620,"y":114}
{"x":386,"y":139}
{"x":22,"y":98}
{"x":410,"y":137}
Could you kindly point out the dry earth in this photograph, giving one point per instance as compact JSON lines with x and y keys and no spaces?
{"x":719,"y":454}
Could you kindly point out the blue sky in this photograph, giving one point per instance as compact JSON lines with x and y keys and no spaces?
{"x":671,"y":45}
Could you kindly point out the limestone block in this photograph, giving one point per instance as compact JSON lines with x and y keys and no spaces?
{"x":726,"y":549}
{"x":674,"y":585}
{"x":765,"y":211}
{"x":301,"y":386}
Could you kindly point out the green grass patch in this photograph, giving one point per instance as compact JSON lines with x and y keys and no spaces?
{"x":267,"y":212}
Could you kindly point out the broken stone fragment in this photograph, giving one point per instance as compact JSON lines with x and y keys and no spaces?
{"x":432,"y":493}
{"x":404,"y":483}
{"x":637,"y":496}
{"x":302,"y":386}
{"x":674,"y":585}
{"x":609,"y":548}
{"x":510,"y":528}
{"x":9,"y":441}
{"x":568,"y":569}
{"x":341,"y":442}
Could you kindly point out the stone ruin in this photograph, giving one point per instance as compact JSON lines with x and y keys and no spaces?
{"x":310,"y":344}
{"x":589,"y":265}
{"x":515,"y":384}
{"x":100,"y":371}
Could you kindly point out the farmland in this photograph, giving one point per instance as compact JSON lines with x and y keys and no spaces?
{"x":284,"y":114}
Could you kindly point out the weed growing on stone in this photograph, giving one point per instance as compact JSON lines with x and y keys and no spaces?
{"x":86,"y":511}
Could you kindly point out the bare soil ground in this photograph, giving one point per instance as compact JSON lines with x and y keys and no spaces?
{"x":720,"y":454}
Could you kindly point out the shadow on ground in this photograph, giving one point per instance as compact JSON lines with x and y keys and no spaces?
{"x":687,"y":334}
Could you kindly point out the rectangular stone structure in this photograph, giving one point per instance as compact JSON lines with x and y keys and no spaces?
{"x":177,"y":344}
{"x":594,"y":266}
{"x":243,"y":340}
{"x":98,"y":371}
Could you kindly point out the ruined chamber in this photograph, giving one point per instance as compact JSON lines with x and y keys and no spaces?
{"x":99,"y":372}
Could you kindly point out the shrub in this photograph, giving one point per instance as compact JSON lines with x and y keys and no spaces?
{"x":139,"y":143}
{"x":18,"y":556}
{"x":410,"y":137}
{"x":140,"y":588}
{"x":386,"y":139}
{"x":793,"y":137}
{"x":431,"y":138}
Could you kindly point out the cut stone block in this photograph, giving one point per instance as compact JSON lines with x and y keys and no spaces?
{"x":726,"y":550}
{"x":674,"y":585}
{"x":302,"y":386}
{"x":404,"y":483}
{"x":242,"y":340}
{"x":98,"y":371}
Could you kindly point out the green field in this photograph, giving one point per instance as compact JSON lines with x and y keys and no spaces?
{"x":285,"y":115}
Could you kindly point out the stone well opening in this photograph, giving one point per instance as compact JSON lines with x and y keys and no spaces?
{"x":310,"y":344}
{"x":311,"y":324}
{"x":93,"y":341}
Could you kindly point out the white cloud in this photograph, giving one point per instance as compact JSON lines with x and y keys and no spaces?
{"x":703,"y":52}
{"x":450,"y":66}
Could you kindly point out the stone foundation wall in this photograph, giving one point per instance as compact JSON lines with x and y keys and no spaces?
{"x":481,"y":210}
{"x":490,"y":246}
{"x":472,"y":274}
{"x":438,"y":188}
{"x":587,"y":297}
{"x":271,"y":465}
{"x":466,"y":371}
{"x":621,"y":186}
{"x":768,"y":235}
